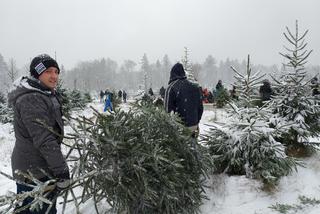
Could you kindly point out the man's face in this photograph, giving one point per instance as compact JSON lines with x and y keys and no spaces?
{"x":50,"y":77}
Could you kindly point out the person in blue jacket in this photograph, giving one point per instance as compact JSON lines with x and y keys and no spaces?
{"x":108,"y":102}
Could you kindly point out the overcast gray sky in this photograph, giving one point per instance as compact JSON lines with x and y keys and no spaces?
{"x":126,"y":29}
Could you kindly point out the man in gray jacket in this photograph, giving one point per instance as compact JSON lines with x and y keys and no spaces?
{"x":38,"y":129}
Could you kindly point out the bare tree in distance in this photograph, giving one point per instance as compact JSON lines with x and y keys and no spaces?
{"x":12,"y":71}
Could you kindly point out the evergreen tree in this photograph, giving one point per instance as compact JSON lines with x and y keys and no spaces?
{"x":146,"y":159}
{"x":2,"y":98}
{"x":128,"y":75}
{"x":157,"y":75}
{"x":64,"y":99}
{"x":247,"y":85}
{"x":145,"y":68}
{"x":6,"y":112}
{"x":87,"y":97}
{"x":222,"y":98}
{"x":246,"y":144}
{"x":221,"y":95}
{"x":294,"y":102}
{"x":3,"y":74}
{"x":166,"y":66}
{"x":76,"y":100}
{"x":209,"y":71}
{"x":187,"y":65}
{"x":12,"y":71}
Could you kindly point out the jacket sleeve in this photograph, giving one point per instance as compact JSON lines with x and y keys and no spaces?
{"x":32,"y":109}
{"x":169,"y":100}
{"x":200,"y":111}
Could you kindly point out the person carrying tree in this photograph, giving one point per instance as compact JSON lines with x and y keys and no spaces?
{"x":38,"y":128}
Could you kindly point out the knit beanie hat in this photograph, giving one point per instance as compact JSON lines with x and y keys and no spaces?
{"x":41,"y":63}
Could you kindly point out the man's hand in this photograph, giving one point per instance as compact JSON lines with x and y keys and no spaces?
{"x":63,"y":184}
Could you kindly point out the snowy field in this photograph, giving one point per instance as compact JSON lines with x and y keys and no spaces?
{"x":226,"y":194}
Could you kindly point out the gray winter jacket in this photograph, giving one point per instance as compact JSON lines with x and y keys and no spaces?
{"x":36,"y":146}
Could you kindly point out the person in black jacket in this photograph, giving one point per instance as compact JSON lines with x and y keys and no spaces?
{"x":184,"y":98}
{"x":162,"y":92}
{"x":120,"y":94}
{"x":124,"y":95}
{"x":315,"y":86}
{"x":265,"y":90}
{"x":38,"y":128}
{"x":219,"y":86}
{"x":151,"y":92}
{"x":101,"y":96}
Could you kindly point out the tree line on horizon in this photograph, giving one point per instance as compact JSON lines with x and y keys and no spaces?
{"x":103,"y":73}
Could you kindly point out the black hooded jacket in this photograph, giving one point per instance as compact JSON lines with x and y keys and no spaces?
{"x":183,"y":97}
{"x":265,"y":91}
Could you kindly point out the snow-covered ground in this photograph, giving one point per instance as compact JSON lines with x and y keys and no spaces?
{"x":226,"y":194}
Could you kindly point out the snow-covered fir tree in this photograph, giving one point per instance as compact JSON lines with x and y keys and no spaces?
{"x":87,"y":97}
{"x":6,"y":113}
{"x":246,"y":144}
{"x":76,"y":99}
{"x":187,"y":65}
{"x":247,"y":86}
{"x":64,"y":98}
{"x":222,"y":98}
{"x":4,"y":80}
{"x":294,"y":102}
{"x":12,"y":71}
{"x":145,"y":69}
{"x":2,"y":98}
{"x":166,"y":66}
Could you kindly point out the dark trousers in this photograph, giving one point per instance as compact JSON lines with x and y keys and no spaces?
{"x":22,"y":188}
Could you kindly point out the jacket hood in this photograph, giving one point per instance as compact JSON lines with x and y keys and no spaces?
{"x":24,"y":85}
{"x":177,"y":72}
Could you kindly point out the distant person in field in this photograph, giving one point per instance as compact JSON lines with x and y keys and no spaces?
{"x":233,"y":93}
{"x":120,"y":94}
{"x":151,"y":92}
{"x":162,"y":92}
{"x":210,"y":97}
{"x":265,"y":90}
{"x":315,"y":86}
{"x":101,"y":96}
{"x":205,"y":95}
{"x":124,"y":96}
{"x":219,"y":86}
{"x":108,"y":102}
{"x":184,"y":97}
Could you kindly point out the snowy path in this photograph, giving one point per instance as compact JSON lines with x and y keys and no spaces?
{"x":227,"y":194}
